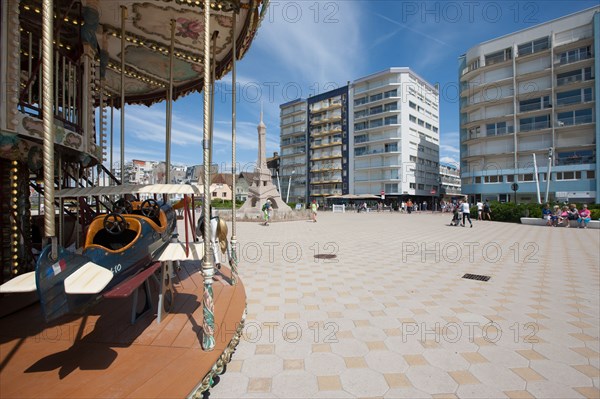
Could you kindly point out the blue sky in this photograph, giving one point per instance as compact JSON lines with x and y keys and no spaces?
{"x":306,"y":47}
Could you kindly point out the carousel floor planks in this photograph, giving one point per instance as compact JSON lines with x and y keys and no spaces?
{"x":101,"y":354}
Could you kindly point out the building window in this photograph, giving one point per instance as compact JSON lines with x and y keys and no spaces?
{"x":224,"y":195}
{"x":534,"y":123}
{"x":412,"y":105}
{"x":391,"y":147}
{"x":361,"y":138}
{"x":591,"y":174}
{"x":534,"y":46}
{"x":411,"y":185}
{"x":569,"y":97}
{"x":412,"y":118}
{"x":391,"y":93}
{"x":510,"y":178}
{"x":568,"y":175}
{"x":421,"y":187}
{"x":499,"y":56}
{"x":421,"y":122}
{"x":492,"y":179}
{"x":391,"y":120}
{"x":576,"y":157}
{"x":376,"y":97}
{"x":574,"y":76}
{"x":534,"y":104}
{"x":579,"y":54}
{"x":376,"y":110}
{"x":360,"y":151}
{"x":526,"y":177}
{"x":360,"y":101}
{"x":497,"y":129}
{"x":576,"y":117}
{"x":390,"y":107}
{"x":376,"y":123}
{"x":214,"y":194}
{"x":477,"y":179}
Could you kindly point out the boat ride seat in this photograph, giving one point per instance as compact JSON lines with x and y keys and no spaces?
{"x":98,"y":236}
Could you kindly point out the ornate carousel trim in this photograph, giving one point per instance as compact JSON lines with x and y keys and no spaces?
{"x":220,"y":365}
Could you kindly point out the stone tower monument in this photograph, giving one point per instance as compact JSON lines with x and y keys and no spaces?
{"x":262,"y":187}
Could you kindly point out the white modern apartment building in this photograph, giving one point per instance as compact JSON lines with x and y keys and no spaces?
{"x":533,"y":92}
{"x":394,"y":130}
{"x":449,"y":181}
{"x":293,"y":152}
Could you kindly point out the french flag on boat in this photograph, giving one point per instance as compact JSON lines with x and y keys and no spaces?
{"x":59,"y":266}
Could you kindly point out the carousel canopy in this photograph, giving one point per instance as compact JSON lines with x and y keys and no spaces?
{"x":147,"y":27}
{"x":148,"y":43}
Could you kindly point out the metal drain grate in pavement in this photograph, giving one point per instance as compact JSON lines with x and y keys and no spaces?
{"x":479,"y":277}
{"x":325,"y":256}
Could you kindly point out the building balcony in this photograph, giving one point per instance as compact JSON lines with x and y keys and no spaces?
{"x":324,"y":145}
{"x":534,"y":126}
{"x":574,"y":120}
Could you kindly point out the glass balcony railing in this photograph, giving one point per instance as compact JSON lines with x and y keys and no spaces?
{"x":528,"y":127}
{"x":574,"y":120}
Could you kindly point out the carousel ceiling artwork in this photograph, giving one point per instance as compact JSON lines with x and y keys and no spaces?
{"x":148,"y":42}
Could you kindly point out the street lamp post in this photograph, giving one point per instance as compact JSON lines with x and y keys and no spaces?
{"x":287,"y":198}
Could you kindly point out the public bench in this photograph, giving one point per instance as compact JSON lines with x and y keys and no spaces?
{"x":593,"y":224}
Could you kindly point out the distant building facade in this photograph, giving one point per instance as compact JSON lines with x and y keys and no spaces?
{"x":533,"y":93}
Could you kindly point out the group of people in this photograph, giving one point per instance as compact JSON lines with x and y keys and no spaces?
{"x":558,"y":216}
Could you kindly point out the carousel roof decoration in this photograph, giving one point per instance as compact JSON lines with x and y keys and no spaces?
{"x":148,"y":40}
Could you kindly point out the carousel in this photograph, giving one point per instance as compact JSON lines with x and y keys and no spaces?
{"x":99,"y":293}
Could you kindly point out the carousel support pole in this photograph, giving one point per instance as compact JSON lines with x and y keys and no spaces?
{"x":123,"y":17}
{"x":234,"y":258}
{"x":61,"y":223}
{"x":212,"y":91}
{"x":170,"y":106}
{"x":208,"y":271}
{"x":112,"y":126}
{"x":48,"y":124}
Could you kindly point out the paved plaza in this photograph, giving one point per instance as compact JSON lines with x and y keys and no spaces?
{"x":391,"y":316}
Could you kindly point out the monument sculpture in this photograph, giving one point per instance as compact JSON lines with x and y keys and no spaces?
{"x":262,"y":187}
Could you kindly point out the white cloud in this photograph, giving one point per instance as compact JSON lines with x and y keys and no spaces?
{"x":450,"y":160}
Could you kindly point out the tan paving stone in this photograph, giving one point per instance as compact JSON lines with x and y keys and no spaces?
{"x":474,"y":357}
{"x":530,"y":354}
{"x":416,"y":360}
{"x":588,"y":370}
{"x":586,"y":352}
{"x":527,"y":374}
{"x":260,"y":385}
{"x":463,"y":377}
{"x":265,"y":349}
{"x":355,"y":362}
{"x":584,"y":337}
{"x":321,"y":348}
{"x":293,"y":364}
{"x":397,"y":380}
{"x":589,"y":392}
{"x":329,"y":383}
{"x":376,"y":345}
{"x":519,"y":395}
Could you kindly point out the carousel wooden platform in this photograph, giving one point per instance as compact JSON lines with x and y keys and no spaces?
{"x":102,"y":355}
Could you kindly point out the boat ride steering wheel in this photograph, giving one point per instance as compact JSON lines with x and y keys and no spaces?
{"x":150,"y":208}
{"x":123,"y":206}
{"x":115,"y":223}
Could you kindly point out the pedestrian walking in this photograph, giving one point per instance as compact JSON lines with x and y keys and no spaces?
{"x":466,"y":213}
{"x":313,"y":210}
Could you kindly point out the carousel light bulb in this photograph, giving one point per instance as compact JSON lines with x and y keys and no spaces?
{"x":15,"y":192}
{"x":15,"y":271}
{"x":15,"y":243}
